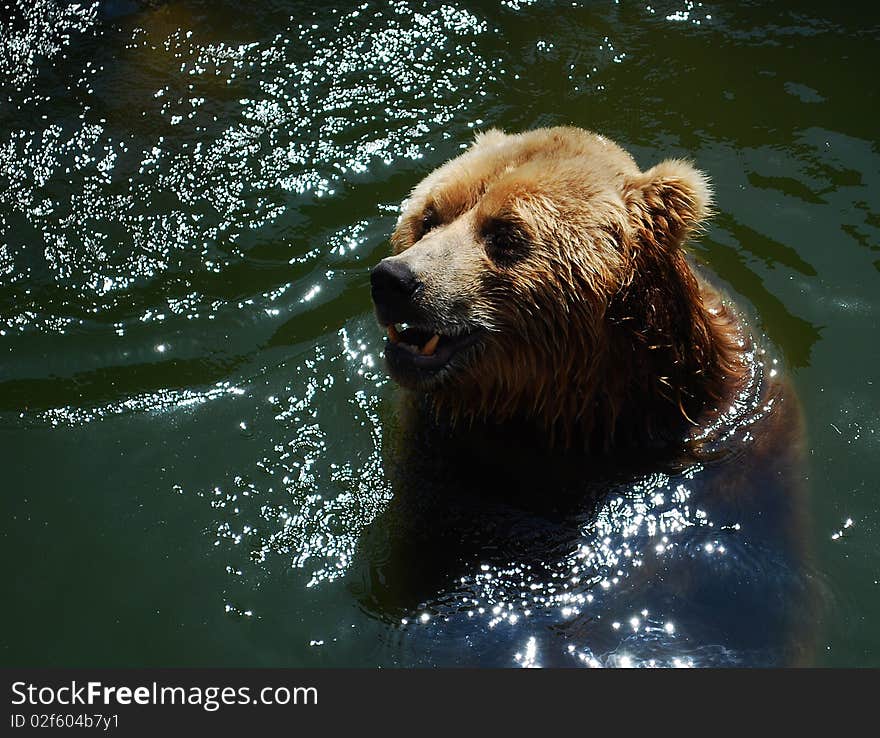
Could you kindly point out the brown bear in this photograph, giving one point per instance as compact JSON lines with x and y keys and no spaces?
{"x":541,"y":276}
{"x":604,"y":442}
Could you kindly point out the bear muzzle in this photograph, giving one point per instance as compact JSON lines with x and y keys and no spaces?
{"x":418,"y":350}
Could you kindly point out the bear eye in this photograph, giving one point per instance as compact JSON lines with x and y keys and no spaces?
{"x":430,"y":220}
{"x":506,"y":242}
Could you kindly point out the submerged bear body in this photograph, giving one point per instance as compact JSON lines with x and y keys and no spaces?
{"x":594,"y":463}
{"x":493,"y":548}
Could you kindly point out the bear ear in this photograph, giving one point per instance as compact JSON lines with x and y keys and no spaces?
{"x":669,"y":200}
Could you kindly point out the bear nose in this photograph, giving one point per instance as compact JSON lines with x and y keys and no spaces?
{"x":393,"y":284}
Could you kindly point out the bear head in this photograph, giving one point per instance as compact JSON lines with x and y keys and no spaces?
{"x":541,"y":276}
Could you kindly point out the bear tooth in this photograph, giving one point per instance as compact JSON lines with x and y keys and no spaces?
{"x":393,"y":335}
{"x":428,"y":348}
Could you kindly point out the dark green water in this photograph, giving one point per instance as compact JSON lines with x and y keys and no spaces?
{"x":192,"y":402}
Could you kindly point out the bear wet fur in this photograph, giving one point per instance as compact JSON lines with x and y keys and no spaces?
{"x":579,"y":355}
{"x":566,"y":262}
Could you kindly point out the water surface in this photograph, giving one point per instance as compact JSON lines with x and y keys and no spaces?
{"x":192,"y":404}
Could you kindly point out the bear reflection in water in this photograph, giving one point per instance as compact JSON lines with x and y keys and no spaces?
{"x":592,"y":462}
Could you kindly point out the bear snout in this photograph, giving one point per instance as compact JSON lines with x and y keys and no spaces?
{"x":393,"y":285}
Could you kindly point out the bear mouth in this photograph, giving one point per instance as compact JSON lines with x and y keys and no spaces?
{"x":417,"y":356}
